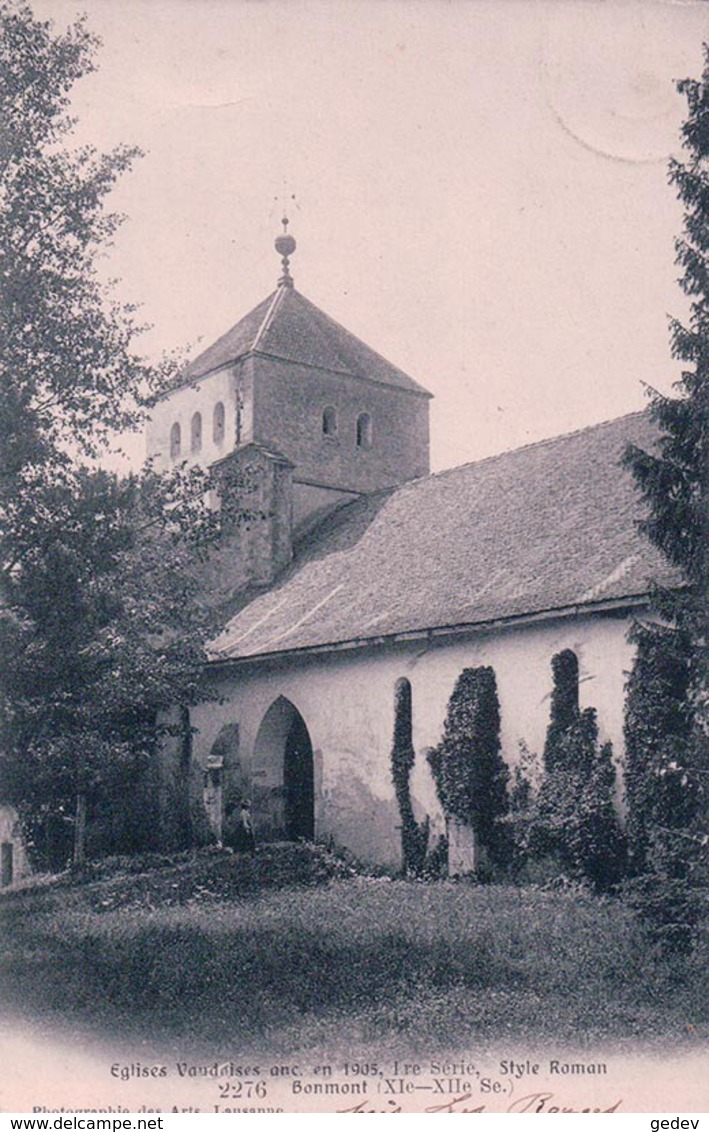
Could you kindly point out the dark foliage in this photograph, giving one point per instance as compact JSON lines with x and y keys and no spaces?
{"x":470,"y":774}
{"x":414,"y":835}
{"x":575,"y":818}
{"x":564,"y":703}
{"x":657,"y":730}
{"x":99,"y":628}
{"x":570,"y":817}
{"x":669,"y":740}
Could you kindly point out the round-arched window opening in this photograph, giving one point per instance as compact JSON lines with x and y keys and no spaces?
{"x":196,"y":433}
{"x":175,"y":440}
{"x":364,"y":431}
{"x":329,"y":421}
{"x":218,"y":423}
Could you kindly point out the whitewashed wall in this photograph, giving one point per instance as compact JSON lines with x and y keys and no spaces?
{"x":347,"y":702}
{"x":181,"y":405}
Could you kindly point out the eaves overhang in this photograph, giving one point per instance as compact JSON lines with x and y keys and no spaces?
{"x":617,"y":606}
{"x":195,"y":379}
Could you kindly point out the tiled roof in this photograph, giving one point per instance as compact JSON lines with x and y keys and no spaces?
{"x":232,"y":345}
{"x":288,"y":326}
{"x":546,"y":527}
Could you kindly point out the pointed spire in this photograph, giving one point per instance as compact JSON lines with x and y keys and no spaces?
{"x":285,"y":246}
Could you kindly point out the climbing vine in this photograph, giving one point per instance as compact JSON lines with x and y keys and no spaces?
{"x":467,"y":766}
{"x":564,"y":703}
{"x":414,"y":835}
{"x":572,"y":818}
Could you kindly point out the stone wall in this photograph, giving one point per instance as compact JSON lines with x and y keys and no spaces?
{"x":282,"y":406}
{"x":289,"y":401}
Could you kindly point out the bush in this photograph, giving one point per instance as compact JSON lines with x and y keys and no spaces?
{"x":669,"y":897}
{"x":470,"y":774}
{"x":575,"y":819}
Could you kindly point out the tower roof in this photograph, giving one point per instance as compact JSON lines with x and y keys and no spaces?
{"x":288,"y":326}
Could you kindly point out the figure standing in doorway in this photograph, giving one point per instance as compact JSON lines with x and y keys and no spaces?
{"x":248,"y":841}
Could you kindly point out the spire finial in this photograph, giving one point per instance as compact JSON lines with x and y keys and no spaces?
{"x":285,"y":246}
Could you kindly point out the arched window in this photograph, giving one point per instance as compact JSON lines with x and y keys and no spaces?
{"x":175,"y":440}
{"x":364,"y":431}
{"x":196,"y":433}
{"x":218,"y":423}
{"x":329,"y":421}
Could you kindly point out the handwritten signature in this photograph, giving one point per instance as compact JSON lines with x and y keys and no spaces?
{"x":533,"y":1102}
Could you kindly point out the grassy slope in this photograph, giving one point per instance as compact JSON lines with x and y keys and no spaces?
{"x":204,"y":959}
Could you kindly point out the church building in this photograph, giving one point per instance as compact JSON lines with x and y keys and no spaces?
{"x":360,"y":569}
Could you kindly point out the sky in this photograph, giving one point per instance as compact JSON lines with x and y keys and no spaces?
{"x":480,"y":188}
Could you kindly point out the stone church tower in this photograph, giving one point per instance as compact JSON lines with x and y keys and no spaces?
{"x":293,"y":401}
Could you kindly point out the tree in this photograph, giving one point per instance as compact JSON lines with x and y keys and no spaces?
{"x":657,"y":730}
{"x":569,"y":815}
{"x":467,"y":766}
{"x":110,"y":634}
{"x":100,"y":628}
{"x":70,"y":375}
{"x":575,"y":819}
{"x":673,"y":765}
{"x":414,"y":835}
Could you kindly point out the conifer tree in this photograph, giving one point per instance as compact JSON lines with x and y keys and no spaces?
{"x":657,"y":731}
{"x":669,"y":766}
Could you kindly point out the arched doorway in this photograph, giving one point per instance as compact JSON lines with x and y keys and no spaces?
{"x":298,"y":782}
{"x":223,"y":786}
{"x":284,"y":794}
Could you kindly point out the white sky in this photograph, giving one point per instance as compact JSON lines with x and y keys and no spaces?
{"x":481,"y":186}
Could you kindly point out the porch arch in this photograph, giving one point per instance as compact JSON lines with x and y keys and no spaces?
{"x":283,"y":777}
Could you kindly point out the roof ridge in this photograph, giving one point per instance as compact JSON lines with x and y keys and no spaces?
{"x":267,"y":319}
{"x":547,"y":440}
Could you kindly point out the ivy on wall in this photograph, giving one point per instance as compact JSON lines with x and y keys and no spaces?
{"x":564,"y":709}
{"x":573,"y":817}
{"x":470,"y":774}
{"x":414,"y":835}
{"x":576,"y":820}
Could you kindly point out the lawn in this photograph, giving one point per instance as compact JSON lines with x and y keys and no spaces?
{"x":371,"y":961}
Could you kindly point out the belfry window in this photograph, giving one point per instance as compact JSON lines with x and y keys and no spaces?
{"x":329,"y":421}
{"x":218,"y":423}
{"x":196,"y":433}
{"x":364,"y":431}
{"x":175,"y":440}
